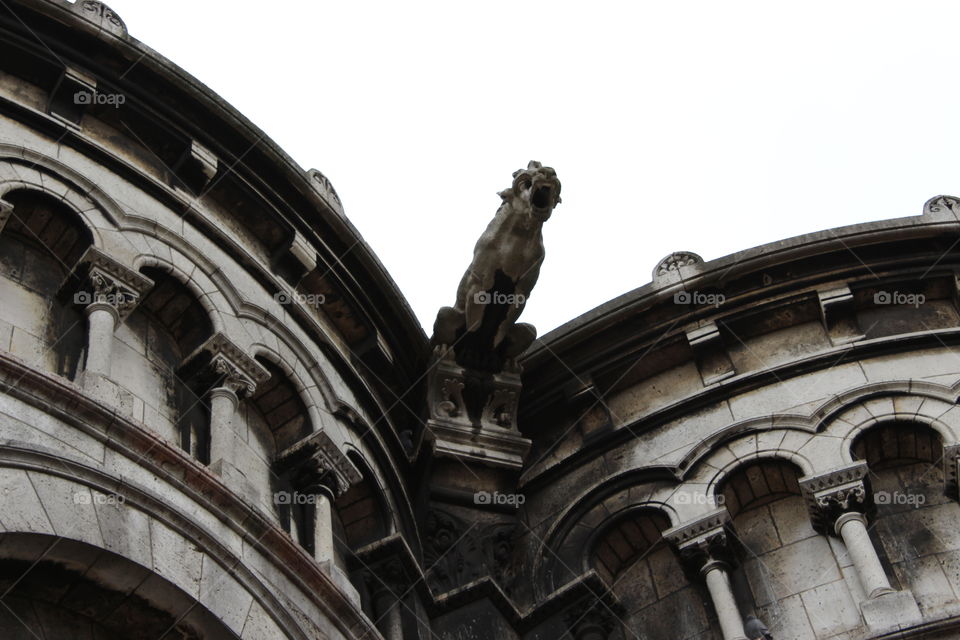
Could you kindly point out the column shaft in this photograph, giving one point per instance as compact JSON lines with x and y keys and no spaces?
{"x":718,"y":583}
{"x":223,"y":407}
{"x":323,"y":528}
{"x":101,"y":322}
{"x":852,"y":528}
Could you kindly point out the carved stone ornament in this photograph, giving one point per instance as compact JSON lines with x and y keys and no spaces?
{"x":107,"y":282}
{"x":229,"y":366}
{"x":834,"y":493}
{"x":458,"y":554}
{"x":316,"y":462}
{"x":481,"y":328}
{"x":101,"y":15}
{"x":323,"y":185}
{"x":941,"y":204}
{"x":702,"y":540}
{"x":674,"y":261}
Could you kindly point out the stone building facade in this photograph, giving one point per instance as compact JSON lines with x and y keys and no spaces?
{"x":219,"y":418}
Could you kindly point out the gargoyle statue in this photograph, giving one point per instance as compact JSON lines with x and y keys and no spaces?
{"x":482,"y":327}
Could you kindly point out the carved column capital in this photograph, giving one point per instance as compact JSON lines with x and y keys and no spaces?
{"x":703,"y":541}
{"x":831,"y":494}
{"x":225,"y":365}
{"x":107,"y":284}
{"x":315,"y":464}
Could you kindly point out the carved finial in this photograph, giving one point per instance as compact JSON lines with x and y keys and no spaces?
{"x":674,"y":262}
{"x":101,"y":15}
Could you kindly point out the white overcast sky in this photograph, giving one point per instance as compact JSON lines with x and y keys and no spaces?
{"x":701,"y":126}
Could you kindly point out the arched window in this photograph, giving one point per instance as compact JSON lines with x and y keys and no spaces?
{"x":165,"y":328}
{"x":631,"y":555}
{"x":785,"y":567}
{"x":39,"y":246}
{"x":914,"y":528}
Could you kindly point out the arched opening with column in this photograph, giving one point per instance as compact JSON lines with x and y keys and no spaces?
{"x":273,"y":419}
{"x":167,"y":325}
{"x":61,"y":588}
{"x":914,"y":527}
{"x":40,"y":244}
{"x":631,"y":555}
{"x":785,"y":568}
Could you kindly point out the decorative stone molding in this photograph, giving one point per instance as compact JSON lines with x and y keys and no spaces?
{"x":838,"y":314}
{"x":316,"y":463}
{"x":233,"y":368}
{"x":831,"y":494}
{"x":713,"y":361}
{"x":109,"y":284}
{"x":674,"y":263}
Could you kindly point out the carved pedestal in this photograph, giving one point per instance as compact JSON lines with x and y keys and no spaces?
{"x":473,"y":417}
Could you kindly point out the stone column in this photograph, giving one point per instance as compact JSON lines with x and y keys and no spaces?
{"x":316,"y":467}
{"x":852,"y":527}
{"x":102,"y":319}
{"x":228,"y":375}
{"x":838,"y":501}
{"x":109,"y":292}
{"x":703,"y":546}
{"x":388,"y":587}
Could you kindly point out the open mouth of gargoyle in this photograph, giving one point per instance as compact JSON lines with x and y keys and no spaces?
{"x":542,"y":197}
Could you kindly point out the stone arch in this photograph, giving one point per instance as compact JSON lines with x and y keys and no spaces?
{"x":936,"y":413}
{"x":136,"y":545}
{"x":721,"y":474}
{"x":362,"y":513}
{"x":913,"y":524}
{"x":41,"y":240}
{"x":778,"y":554}
{"x":98,"y":593}
{"x":214,"y":314}
{"x":150,"y":349}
